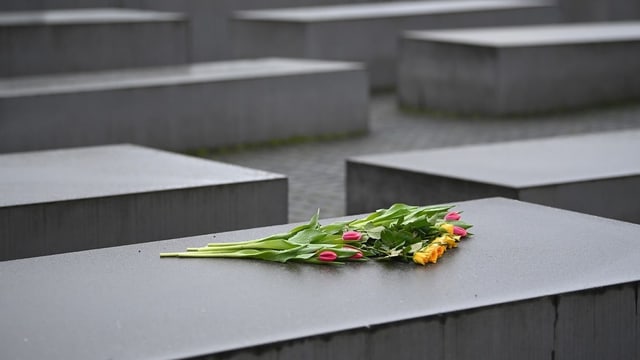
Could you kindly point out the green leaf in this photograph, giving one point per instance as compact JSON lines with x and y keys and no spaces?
{"x":395,"y":238}
{"x":328,"y":239}
{"x":307,"y":236}
{"x":306,"y":256}
{"x":335,"y":228}
{"x":373,"y":232}
{"x":416,"y":223}
{"x":276,"y":244}
{"x":394,"y":253}
{"x":461,"y":224}
{"x":411,"y":249}
{"x":313,"y":223}
{"x":269,"y":255}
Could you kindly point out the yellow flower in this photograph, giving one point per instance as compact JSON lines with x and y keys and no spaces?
{"x":429,"y":254}
{"x":436,"y":251}
{"x":451,"y":241}
{"x":447,"y":228}
{"x":420,"y":258}
{"x":441,"y":249}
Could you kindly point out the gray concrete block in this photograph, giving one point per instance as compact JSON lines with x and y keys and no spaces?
{"x":596,"y":174}
{"x":21,"y":5}
{"x":602,"y":317}
{"x":520,"y":70}
{"x":208,"y":20}
{"x":523,"y":330}
{"x":369,"y":32}
{"x":85,"y":198}
{"x":210,"y":35}
{"x":514,"y":290}
{"x":62,"y":41}
{"x":185,"y":107}
{"x":599,"y":10}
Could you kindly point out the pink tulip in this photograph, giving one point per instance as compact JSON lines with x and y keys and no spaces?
{"x":452,"y":216}
{"x":351,"y":236}
{"x":457,"y":230}
{"x":327,"y":256}
{"x":355,"y":256}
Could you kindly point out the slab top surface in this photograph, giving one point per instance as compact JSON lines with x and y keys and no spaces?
{"x":536,"y":35}
{"x":90,"y":172}
{"x":383,"y":10}
{"x":84,"y":16}
{"x":169,"y":75}
{"x":128,"y":303}
{"x":526,"y":163}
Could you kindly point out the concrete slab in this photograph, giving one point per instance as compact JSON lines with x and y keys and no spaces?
{"x":504,"y":293}
{"x":369,"y":32}
{"x":62,"y":41}
{"x":77,"y":199}
{"x":210,"y":33}
{"x":599,"y":10}
{"x":520,"y":70}
{"x":562,"y":34}
{"x":20,"y":5}
{"x":595,"y":174}
{"x":572,"y":10}
{"x":185,"y":107}
{"x":208,"y":27}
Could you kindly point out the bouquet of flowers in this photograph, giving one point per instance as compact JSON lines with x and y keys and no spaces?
{"x":402,"y":232}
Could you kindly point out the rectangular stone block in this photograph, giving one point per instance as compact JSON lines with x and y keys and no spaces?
{"x":76,"y":199}
{"x":603,"y":317}
{"x":75,"y":40}
{"x":596,"y":174}
{"x":520,"y":70}
{"x":368,"y":32}
{"x":185,"y":107}
{"x":599,"y":10}
{"x":513,"y":290}
{"x":209,"y":24}
{"x":21,"y":5}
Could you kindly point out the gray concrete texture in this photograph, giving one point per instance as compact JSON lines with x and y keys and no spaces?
{"x":76,"y":40}
{"x":520,"y":70}
{"x":496,"y":332}
{"x":368,"y":33}
{"x":316,"y":170}
{"x":533,"y":281}
{"x":21,"y":5}
{"x":594,"y":174}
{"x":85,"y":198}
{"x":210,"y":33}
{"x":209,"y":30}
{"x":599,"y":10}
{"x":572,"y":10}
{"x":204,"y":105}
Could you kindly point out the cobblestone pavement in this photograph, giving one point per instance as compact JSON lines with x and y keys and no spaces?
{"x":316,"y":170}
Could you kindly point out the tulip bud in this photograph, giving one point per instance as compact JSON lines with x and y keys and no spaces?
{"x":327,"y":256}
{"x":355,"y":256}
{"x":452,"y":216}
{"x":457,"y":230}
{"x":351,"y":236}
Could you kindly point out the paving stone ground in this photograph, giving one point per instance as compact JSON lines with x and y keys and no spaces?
{"x":316,"y":170}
